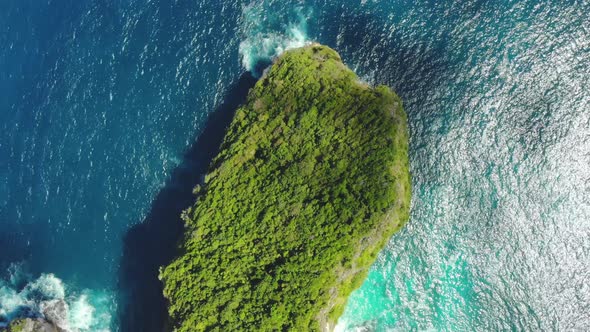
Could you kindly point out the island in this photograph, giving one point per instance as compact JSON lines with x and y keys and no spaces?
{"x":311,"y":181}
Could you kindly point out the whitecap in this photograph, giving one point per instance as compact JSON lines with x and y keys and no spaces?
{"x":46,"y":287}
{"x":49,"y":297}
{"x":81,"y":313}
{"x":268,"y":33}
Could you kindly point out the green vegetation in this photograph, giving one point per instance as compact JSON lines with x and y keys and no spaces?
{"x":30,"y":325}
{"x":311,"y":182}
{"x":16,"y":325}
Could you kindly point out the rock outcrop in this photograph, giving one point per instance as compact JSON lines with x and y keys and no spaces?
{"x":31,"y":325}
{"x":311,"y":182}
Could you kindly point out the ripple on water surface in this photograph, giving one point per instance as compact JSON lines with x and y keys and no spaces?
{"x":101,"y":100}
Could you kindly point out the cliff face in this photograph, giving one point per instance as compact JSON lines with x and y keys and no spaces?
{"x":311,"y":181}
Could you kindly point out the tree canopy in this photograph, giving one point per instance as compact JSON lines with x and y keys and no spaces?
{"x":311,"y":181}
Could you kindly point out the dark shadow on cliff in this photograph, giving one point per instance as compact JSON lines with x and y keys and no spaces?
{"x":153,"y":243}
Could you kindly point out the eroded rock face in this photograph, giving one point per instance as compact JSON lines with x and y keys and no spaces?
{"x":56,"y":312}
{"x":31,"y":325}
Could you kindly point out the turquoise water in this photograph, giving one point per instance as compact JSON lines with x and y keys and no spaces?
{"x":102,"y":103}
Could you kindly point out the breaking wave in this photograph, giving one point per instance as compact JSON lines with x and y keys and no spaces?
{"x":49,"y":297}
{"x":268,"y":32}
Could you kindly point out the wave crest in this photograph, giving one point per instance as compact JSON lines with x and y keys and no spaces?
{"x":48,"y":297}
{"x":269,"y":31}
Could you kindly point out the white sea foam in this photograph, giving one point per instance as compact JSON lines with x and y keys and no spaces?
{"x":9,"y":302}
{"x":81,"y":313}
{"x":49,"y":297}
{"x":268,"y":33}
{"x":46,"y":287}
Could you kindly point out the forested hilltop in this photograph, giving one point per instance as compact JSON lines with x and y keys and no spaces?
{"x":311,"y":182}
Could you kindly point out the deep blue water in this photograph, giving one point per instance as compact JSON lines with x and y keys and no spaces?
{"x":110,"y":110}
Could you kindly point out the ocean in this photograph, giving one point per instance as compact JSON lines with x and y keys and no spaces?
{"x":111,"y":110}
